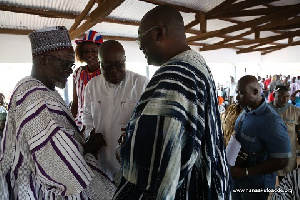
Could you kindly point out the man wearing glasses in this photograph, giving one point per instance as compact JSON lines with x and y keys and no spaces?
{"x":174,"y":146}
{"x":110,"y":99}
{"x":43,"y":155}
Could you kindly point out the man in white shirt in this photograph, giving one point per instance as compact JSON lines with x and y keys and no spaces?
{"x":110,"y":99}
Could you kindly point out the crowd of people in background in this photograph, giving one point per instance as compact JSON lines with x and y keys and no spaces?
{"x":127,"y":137}
{"x":263,"y":119}
{"x":226,"y":92}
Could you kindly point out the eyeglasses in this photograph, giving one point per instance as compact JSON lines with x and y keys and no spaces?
{"x":117,"y":65}
{"x":66,"y":65}
{"x":138,"y":40}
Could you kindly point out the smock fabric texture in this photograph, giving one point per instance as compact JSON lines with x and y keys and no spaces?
{"x":174,"y":146}
{"x":41,"y":154}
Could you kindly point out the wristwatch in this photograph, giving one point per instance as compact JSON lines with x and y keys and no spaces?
{"x":246,"y":171}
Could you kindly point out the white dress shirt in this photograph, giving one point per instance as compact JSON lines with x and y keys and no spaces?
{"x":108,"y":108}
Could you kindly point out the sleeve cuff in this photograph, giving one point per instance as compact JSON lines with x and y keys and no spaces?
{"x":281,"y":155}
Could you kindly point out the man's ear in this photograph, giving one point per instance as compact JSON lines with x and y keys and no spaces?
{"x":161,"y":33}
{"x":255,"y":91}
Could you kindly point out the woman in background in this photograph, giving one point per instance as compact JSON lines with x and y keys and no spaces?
{"x":86,"y":51}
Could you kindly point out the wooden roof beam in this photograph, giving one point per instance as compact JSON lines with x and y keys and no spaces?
{"x":276,"y":48}
{"x":191,"y":24}
{"x":180,"y":8}
{"x":260,"y":41}
{"x":31,"y":11}
{"x":98,"y":15}
{"x":246,"y":4}
{"x":14,"y":31}
{"x":290,"y":11}
{"x":219,"y":8}
{"x":203,"y":25}
{"x":244,"y":13}
{"x":284,"y":24}
{"x":83,"y":14}
{"x":237,"y":37}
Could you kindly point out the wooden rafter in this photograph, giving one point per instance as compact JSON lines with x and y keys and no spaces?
{"x":269,"y":50}
{"x":180,"y":8}
{"x":191,"y":24}
{"x":244,"y":13}
{"x":237,"y":37}
{"x":246,"y":4}
{"x":26,"y":32}
{"x":261,"y":41}
{"x":32,"y":11}
{"x":277,"y":19}
{"x":83,"y":14}
{"x":14,"y":31}
{"x":219,"y":8}
{"x":290,"y":11}
{"x":97,"y":16}
{"x":202,"y":20}
{"x":283,"y":24}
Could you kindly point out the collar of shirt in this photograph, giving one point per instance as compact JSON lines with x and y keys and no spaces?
{"x":259,"y":110}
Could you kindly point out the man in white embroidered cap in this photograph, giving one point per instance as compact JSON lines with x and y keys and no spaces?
{"x":43,"y":155}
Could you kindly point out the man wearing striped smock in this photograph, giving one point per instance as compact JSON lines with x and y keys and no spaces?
{"x":174,"y":146}
{"x":42,"y":154}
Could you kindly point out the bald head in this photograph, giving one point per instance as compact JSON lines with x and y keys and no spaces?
{"x":162,"y":34}
{"x":165,"y":16}
{"x":111,"y":46}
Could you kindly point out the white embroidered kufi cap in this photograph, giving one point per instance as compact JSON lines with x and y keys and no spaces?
{"x":49,"y":39}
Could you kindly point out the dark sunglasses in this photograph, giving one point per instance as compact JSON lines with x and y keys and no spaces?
{"x":66,"y":65}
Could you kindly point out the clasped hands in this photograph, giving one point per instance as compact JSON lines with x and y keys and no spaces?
{"x":94,"y":143}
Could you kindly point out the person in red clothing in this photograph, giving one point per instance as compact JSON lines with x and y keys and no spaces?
{"x":271,"y":97}
{"x":86,"y":51}
{"x":266,"y":84}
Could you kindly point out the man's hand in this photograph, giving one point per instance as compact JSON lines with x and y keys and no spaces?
{"x":121,"y":142}
{"x":237,"y":172}
{"x":94,"y":143}
{"x":293,"y":96}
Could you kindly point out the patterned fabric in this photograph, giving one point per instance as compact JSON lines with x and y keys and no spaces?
{"x":57,"y":38}
{"x":228,"y":121}
{"x":174,"y":144}
{"x":3,"y":116}
{"x":91,"y":36}
{"x":81,"y":77}
{"x":291,"y":117}
{"x":289,"y":187}
{"x":41,"y":151}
